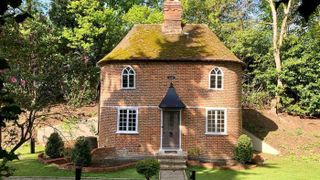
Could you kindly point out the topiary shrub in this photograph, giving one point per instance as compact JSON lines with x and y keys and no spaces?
{"x":54,"y":146}
{"x":244,"y":149}
{"x":148,"y":168}
{"x":80,"y":155}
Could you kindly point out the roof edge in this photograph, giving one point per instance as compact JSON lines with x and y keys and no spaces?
{"x":101,"y":63}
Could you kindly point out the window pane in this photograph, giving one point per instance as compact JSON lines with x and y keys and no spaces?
{"x":132,"y":120}
{"x":125,"y":81}
{"x":218,"y":71}
{"x":131,"y":80}
{"x":215,"y":121}
{"x":211,"y":121}
{"x":213,"y":82}
{"x":219,"y":82}
{"x":123,"y":120}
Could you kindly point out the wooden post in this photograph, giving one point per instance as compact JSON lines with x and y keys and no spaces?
{"x":32,"y":146}
{"x":78,"y":173}
{"x":193,"y":175}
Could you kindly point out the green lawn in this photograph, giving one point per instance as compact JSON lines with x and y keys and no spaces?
{"x":275,"y":167}
{"x":280,"y":168}
{"x":28,"y":165}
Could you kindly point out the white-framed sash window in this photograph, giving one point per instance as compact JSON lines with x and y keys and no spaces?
{"x":127,"y":121}
{"x":216,"y":121}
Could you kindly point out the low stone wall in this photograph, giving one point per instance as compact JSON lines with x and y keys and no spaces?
{"x":99,"y":154}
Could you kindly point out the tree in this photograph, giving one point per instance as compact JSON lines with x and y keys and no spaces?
{"x":143,"y":15}
{"x":34,"y":76}
{"x":9,"y":111}
{"x":97,"y":28}
{"x":278,"y":36}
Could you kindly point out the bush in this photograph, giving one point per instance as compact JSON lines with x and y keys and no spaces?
{"x":67,"y":152}
{"x":194,"y":152}
{"x":54,"y":146}
{"x":148,"y":168}
{"x":80,"y":155}
{"x":244,"y":149}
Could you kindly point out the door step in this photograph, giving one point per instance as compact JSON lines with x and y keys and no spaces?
{"x":172,"y":161}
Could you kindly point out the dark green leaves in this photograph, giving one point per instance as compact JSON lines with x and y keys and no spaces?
{"x":15,"y":3}
{"x":21,"y":17}
{"x":308,"y":7}
{"x":3,"y":64}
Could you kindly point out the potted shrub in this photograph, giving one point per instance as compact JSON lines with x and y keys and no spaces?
{"x":148,"y":168}
{"x":244,"y":149}
{"x":54,"y":147}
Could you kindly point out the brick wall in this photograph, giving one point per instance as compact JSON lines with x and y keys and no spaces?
{"x":172,"y":17}
{"x":192,"y":81}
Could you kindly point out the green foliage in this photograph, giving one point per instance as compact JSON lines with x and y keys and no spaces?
{"x":301,"y":74}
{"x":54,"y":146}
{"x":244,"y":149}
{"x":195,"y":152}
{"x":81,"y":152}
{"x":67,"y":153}
{"x":143,"y":15}
{"x":148,"y":168}
{"x":97,"y":28}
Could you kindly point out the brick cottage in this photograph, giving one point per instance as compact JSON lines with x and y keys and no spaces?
{"x":170,"y":88}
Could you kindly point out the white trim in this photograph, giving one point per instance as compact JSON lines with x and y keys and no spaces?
{"x":161,"y":128}
{"x":180,"y":129}
{"x":137,"y":119}
{"x":225,"y":121}
{"x":216,"y":85}
{"x":134,"y":78}
{"x":174,"y":149}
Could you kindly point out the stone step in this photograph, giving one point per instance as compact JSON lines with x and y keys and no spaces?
{"x":169,"y":156}
{"x":172,"y":161}
{"x":172,"y":167}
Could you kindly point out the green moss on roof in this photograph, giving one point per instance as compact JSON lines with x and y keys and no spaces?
{"x":147,"y":42}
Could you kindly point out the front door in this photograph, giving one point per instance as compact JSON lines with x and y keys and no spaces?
{"x":171,"y":130}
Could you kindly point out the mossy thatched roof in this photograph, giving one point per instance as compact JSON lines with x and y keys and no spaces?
{"x":148,"y":43}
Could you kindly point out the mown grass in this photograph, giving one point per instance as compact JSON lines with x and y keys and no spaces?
{"x":279,"y":168}
{"x":28,"y":165}
{"x":275,"y":168}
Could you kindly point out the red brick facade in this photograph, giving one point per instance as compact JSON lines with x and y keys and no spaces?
{"x":191,"y":84}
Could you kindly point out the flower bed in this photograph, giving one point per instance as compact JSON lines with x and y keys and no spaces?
{"x":64,"y":164}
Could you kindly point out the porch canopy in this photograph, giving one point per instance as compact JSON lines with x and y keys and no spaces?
{"x":172,"y":100}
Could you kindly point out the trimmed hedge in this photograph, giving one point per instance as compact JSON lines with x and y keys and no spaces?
{"x":54,"y":146}
{"x":80,"y":155}
{"x":244,"y":149}
{"x":148,"y":168}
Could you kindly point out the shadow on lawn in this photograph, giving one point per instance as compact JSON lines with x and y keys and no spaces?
{"x":208,"y":174}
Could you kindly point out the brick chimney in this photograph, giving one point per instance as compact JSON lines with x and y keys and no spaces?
{"x":172,"y":17}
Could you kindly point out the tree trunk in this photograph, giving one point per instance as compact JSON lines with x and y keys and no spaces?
{"x":277,"y":44}
{"x":32,"y":145}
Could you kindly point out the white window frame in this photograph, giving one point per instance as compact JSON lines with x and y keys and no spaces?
{"x":225,"y":121}
{"x":216,"y":76}
{"x":137,"y":119}
{"x":134,"y":78}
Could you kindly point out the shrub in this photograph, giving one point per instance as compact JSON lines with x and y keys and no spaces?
{"x":54,"y":146}
{"x":244,"y":149}
{"x":80,"y":155}
{"x":67,"y":152}
{"x":148,"y":168}
{"x":194,"y":152}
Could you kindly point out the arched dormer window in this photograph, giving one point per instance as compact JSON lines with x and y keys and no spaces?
{"x":128,"y":78}
{"x":216,"y":79}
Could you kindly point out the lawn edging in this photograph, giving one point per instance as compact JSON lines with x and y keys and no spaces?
{"x":64,"y":164}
